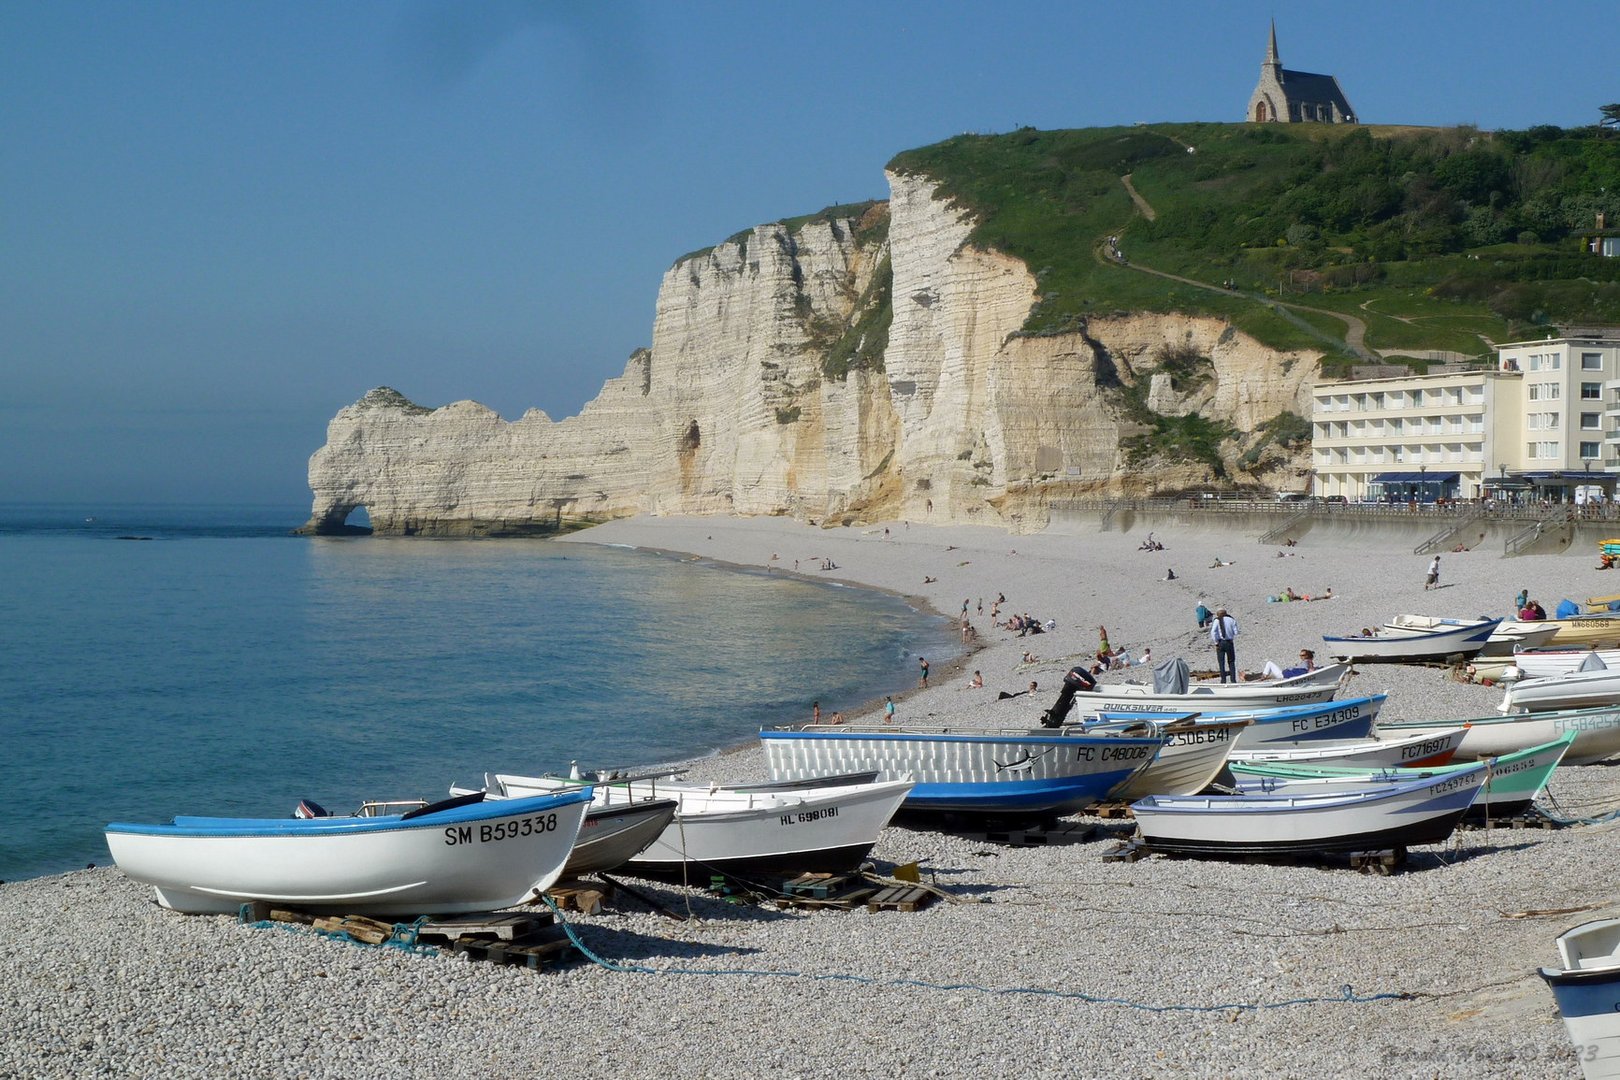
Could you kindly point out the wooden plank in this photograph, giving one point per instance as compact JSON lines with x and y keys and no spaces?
{"x":1127,"y":851}
{"x":578,"y":896}
{"x":900,"y":899}
{"x":844,"y":901}
{"x":503,"y":927}
{"x":819,"y":886}
{"x":356,"y":928}
{"x":534,"y":955}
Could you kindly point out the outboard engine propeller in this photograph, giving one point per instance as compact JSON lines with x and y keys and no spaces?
{"x":1077,"y":681}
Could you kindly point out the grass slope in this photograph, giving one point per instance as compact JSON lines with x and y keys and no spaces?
{"x":1436,"y":238}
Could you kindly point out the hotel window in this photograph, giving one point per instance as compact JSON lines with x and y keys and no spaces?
{"x":1591,"y":421}
{"x":1541,"y":451}
{"x":1591,"y":391}
{"x":1555,"y":362}
{"x":1591,"y":361}
{"x":1549,"y":391}
{"x":1542,"y":421}
{"x":1532,"y":362}
{"x":1590,"y":450}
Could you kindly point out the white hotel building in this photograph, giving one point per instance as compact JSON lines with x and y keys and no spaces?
{"x":1546,"y":415}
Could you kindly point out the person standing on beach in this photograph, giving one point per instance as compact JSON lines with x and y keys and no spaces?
{"x":888,"y":709}
{"x":815,"y":712}
{"x":1223,"y":631}
{"x":922,"y":670}
{"x":1433,"y":580}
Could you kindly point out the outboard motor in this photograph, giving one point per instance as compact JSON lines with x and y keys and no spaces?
{"x":1077,"y":681}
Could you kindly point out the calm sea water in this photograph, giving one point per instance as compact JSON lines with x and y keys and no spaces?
{"x":218,"y":665}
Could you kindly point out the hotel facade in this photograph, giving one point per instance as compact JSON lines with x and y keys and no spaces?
{"x":1543,"y":421}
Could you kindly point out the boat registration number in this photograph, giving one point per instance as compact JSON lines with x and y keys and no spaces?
{"x":804,"y":817}
{"x":500,"y":830}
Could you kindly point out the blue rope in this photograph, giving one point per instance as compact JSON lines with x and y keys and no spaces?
{"x":406,"y":937}
{"x":1347,"y":994}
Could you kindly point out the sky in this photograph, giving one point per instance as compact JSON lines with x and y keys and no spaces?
{"x":222,"y":222}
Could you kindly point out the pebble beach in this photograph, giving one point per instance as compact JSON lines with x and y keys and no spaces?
{"x":1046,"y":962}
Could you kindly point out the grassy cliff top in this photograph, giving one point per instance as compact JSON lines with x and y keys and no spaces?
{"x":1431,"y":238}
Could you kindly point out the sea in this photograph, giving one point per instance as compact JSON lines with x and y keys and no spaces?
{"x":163,"y":660}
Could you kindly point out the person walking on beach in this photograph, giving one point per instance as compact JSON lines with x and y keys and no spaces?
{"x":922,"y":670}
{"x":888,"y":709}
{"x":1433,"y":580}
{"x":1223,"y":631}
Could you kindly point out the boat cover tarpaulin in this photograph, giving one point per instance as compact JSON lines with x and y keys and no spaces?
{"x":1171,"y":676}
{"x":1567,"y":610}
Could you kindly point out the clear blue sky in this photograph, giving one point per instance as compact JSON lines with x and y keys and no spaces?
{"x":222,"y":222}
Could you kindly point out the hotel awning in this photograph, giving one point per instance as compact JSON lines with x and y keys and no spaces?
{"x":1415,"y":477}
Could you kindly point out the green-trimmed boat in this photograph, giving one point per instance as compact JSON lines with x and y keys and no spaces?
{"x":1515,"y":779}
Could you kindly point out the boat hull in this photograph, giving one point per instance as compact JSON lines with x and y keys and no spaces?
{"x":1572,"y":690}
{"x":1412,"y":750}
{"x":1600,"y":630}
{"x":611,"y":836}
{"x":1546,"y":663}
{"x":1401,"y":646}
{"x":1587,"y":990}
{"x":1515,"y":779}
{"x":472,"y":858}
{"x":959,"y":772}
{"x":1192,"y":757}
{"x":1508,"y":636}
{"x":1597,"y":733}
{"x":736,"y":832}
{"x":1403,"y":815}
{"x":1310,"y":688}
{"x":1350,"y":718}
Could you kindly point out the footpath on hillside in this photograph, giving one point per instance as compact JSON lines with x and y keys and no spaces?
{"x":1355,"y":329}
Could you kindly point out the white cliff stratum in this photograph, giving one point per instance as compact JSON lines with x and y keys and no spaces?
{"x":836,"y":371}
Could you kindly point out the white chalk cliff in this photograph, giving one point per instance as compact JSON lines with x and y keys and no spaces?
{"x":778,"y":382}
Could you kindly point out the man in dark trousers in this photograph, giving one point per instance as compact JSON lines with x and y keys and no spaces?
{"x":1223,"y":629}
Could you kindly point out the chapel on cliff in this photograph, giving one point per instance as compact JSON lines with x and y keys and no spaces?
{"x":1295,"y":97}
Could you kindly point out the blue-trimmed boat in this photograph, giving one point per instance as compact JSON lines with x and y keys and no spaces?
{"x":1377,"y":817}
{"x":459,"y":855}
{"x":1587,"y":990}
{"x":1515,"y":779}
{"x":1403,"y":645}
{"x":1348,"y":718}
{"x":964,"y":770}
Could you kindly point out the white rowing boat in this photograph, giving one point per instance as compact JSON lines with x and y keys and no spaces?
{"x":1507,"y":637}
{"x":1597,"y":733}
{"x":1572,"y":690}
{"x":459,"y":855}
{"x":1369,"y":819}
{"x":1407,"y":645}
{"x":1587,"y":990}
{"x":746,"y":834}
{"x":1419,"y":748}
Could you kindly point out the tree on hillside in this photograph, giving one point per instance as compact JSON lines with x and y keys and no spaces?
{"x":1611,"y":115}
